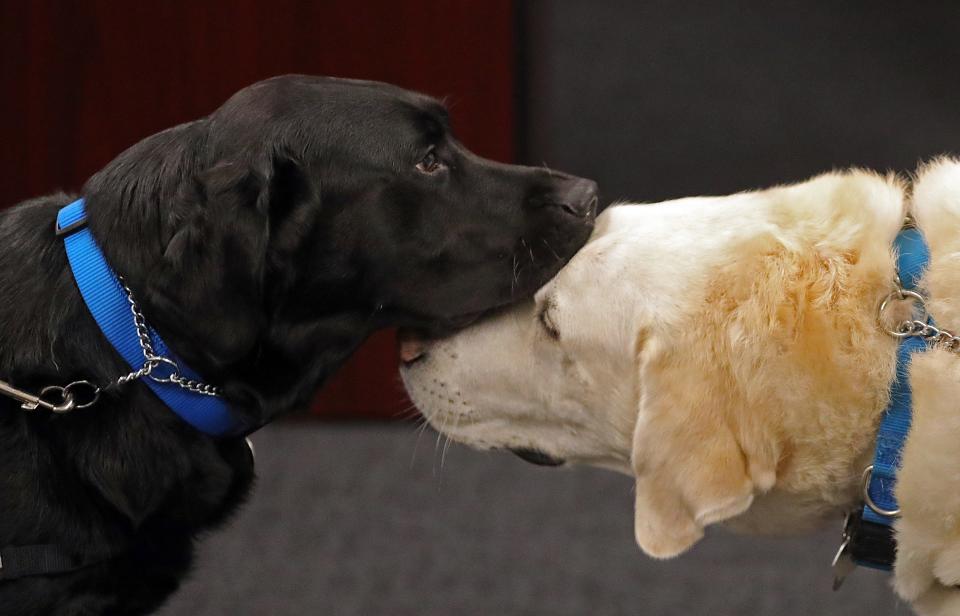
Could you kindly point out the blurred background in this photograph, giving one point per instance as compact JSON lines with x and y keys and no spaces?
{"x":653,"y":100}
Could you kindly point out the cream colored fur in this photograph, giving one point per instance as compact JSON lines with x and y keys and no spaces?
{"x":928,"y":490}
{"x":724,"y":351}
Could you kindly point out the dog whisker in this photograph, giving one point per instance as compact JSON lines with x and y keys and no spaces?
{"x":446,"y":445}
{"x":420,"y":430}
{"x":529,"y":249}
{"x":437,"y":472}
{"x":443,"y":454}
{"x":407,"y":413}
{"x":550,"y":248}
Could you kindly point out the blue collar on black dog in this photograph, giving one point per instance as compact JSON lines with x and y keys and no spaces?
{"x":111,"y":307}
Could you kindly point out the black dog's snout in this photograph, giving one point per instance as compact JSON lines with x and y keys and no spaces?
{"x":574,"y":196}
{"x":580,"y":198}
{"x":535,"y":456}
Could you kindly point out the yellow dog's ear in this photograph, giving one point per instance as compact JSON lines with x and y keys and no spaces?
{"x":689,"y":466}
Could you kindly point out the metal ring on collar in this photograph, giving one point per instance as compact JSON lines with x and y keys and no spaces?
{"x":887,"y":513}
{"x":901,"y":294}
{"x":174,"y":374}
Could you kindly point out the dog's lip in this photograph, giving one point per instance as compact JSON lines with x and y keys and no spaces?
{"x":536,"y":456}
{"x":413,"y":343}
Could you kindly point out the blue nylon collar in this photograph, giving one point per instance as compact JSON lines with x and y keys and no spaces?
{"x":107,"y":302}
{"x":912,"y":258}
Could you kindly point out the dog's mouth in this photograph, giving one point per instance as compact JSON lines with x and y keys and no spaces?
{"x":413,"y":342}
{"x":537,"y":457}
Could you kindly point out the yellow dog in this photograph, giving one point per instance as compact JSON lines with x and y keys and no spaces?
{"x":726,"y":353}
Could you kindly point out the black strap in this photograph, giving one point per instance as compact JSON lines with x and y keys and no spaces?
{"x":42,"y":559}
{"x":871,"y":545}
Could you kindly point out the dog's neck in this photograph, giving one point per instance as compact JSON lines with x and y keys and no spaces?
{"x":291,"y":359}
{"x":296,"y":348}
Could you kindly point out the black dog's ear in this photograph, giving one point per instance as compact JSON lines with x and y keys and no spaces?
{"x":211,"y":282}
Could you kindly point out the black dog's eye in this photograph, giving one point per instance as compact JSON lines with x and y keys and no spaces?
{"x":430,"y":163}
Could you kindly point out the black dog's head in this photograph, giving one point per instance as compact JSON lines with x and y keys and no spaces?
{"x":307,"y":212}
{"x":433,"y":232}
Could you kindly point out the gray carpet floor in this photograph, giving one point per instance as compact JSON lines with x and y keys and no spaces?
{"x":363,"y":519}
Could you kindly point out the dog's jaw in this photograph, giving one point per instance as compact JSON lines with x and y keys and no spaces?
{"x":444,"y":384}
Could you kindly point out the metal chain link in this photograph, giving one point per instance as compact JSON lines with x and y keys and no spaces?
{"x":196,"y":386}
{"x":143,"y":337}
{"x":930,"y":333}
{"x":917,"y":327}
{"x":152,"y":361}
{"x":83,"y":394}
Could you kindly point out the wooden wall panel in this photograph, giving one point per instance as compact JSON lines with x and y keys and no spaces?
{"x":81,"y":81}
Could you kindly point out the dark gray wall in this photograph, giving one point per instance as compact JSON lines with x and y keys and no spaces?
{"x":663,"y":99}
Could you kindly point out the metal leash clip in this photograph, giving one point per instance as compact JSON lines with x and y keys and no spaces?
{"x":843,"y":563}
{"x":76,"y":395}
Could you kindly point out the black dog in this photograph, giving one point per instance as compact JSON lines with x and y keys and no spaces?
{"x":264,"y":243}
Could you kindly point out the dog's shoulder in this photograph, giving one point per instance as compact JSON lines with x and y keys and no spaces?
{"x":851,"y":209}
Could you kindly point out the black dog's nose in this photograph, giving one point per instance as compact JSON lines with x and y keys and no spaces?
{"x":575,"y":196}
{"x":581,"y":197}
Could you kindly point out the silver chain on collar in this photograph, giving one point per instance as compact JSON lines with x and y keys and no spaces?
{"x":917,"y":327}
{"x":83,"y":394}
{"x":151,"y":361}
{"x":930,"y":333}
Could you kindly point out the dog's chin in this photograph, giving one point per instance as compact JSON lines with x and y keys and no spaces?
{"x":450,"y":326}
{"x":434,"y":332}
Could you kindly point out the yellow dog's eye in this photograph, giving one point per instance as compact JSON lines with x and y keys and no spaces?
{"x":430,"y":163}
{"x":547,"y":323}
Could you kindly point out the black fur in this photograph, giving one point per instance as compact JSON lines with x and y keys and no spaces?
{"x":264,"y":243}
